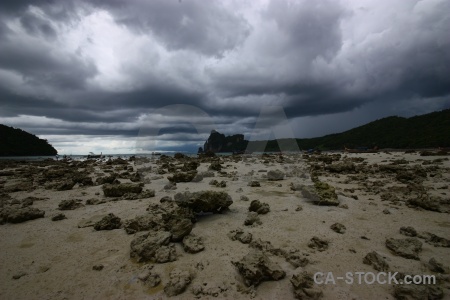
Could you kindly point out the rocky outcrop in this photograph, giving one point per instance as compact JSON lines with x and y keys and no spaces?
{"x":218,"y":142}
{"x":259,"y":208}
{"x":320,"y":194}
{"x":304,"y":286}
{"x":338,"y":227}
{"x":240,"y":235}
{"x":69,"y":204}
{"x":407,"y":248}
{"x":193,"y":244}
{"x":275,"y":175}
{"x":318,"y":244}
{"x":118,"y":190}
{"x":108,"y":222}
{"x":153,"y":246}
{"x":256,"y":267}
{"x":376,"y":261}
{"x":178,"y":282}
{"x":204,"y":201}
{"x":182,"y":176}
{"x":18,"y":215}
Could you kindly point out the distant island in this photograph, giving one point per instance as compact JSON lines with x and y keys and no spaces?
{"x":425,"y":131}
{"x":17,"y":142}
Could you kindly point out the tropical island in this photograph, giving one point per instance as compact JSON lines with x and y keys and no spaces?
{"x":17,"y":142}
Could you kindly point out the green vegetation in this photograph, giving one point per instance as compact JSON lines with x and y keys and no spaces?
{"x":425,"y":131}
{"x":16,"y":142}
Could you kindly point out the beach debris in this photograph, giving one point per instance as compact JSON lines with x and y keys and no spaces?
{"x":407,"y":248}
{"x":178,"y":282}
{"x":376,"y":261}
{"x":204,"y":201}
{"x":304,"y":287}
{"x":118,"y":190}
{"x":153,"y":246}
{"x":338,"y":227}
{"x":259,"y":208}
{"x":108,"y":222}
{"x":318,"y":244}
{"x":256,"y":267}
{"x":193,"y":244}
{"x":274,"y":175}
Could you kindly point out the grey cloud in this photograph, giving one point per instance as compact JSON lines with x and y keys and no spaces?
{"x":201,"y":26}
{"x":37,"y":26}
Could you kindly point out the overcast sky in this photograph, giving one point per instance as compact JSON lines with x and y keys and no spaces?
{"x":100,"y":75}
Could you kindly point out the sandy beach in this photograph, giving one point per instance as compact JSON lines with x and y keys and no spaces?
{"x":316,"y":213}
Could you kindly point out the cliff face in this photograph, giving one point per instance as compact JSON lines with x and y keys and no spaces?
{"x":218,"y":142}
{"x":16,"y":142}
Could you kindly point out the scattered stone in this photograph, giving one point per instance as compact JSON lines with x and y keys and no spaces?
{"x":204,"y":201}
{"x":244,"y":198}
{"x":407,"y":248}
{"x":376,"y":261}
{"x":318,"y":244}
{"x":320,"y":194}
{"x":274,"y":175}
{"x":150,"y":279}
{"x":19,"y":215}
{"x":304,"y":288}
{"x":182,"y":176}
{"x":59,"y":217}
{"x":179,"y":228}
{"x":193,"y":244}
{"x":256,"y":267}
{"x":19,"y":275}
{"x":216,"y":166}
{"x":426,"y":202}
{"x":258,"y":207}
{"x":435,"y":240}
{"x":299,"y":208}
{"x":153,"y":246}
{"x":98,"y":267}
{"x":252,"y":218}
{"x":295,"y":258}
{"x":436,"y":266}
{"x":118,"y":190}
{"x":108,"y":222}
{"x":170,"y":186}
{"x":179,"y":280}
{"x":408,"y":231}
{"x":417,"y":292}
{"x":338,"y":227}
{"x":240,"y":235}
{"x":254,"y":183}
{"x":70,"y":204}
{"x":66,"y":185}
{"x":386,"y":211}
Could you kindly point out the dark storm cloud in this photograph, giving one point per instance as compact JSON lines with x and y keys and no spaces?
{"x":201,"y":26}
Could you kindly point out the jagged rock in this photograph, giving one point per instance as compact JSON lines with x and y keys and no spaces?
{"x":69,"y":204}
{"x":295,"y":258}
{"x":182,"y":176}
{"x":341,"y":167}
{"x":59,"y":217}
{"x":318,"y":244}
{"x":179,"y":280}
{"x":320,"y":194}
{"x":435,"y":240}
{"x":107,"y":179}
{"x":118,"y":190}
{"x":258,"y":207}
{"x":407,"y":248}
{"x":274,"y":175}
{"x":150,"y":279}
{"x":213,"y":182}
{"x":197,"y":178}
{"x":92,"y":201}
{"x":204,"y":201}
{"x":108,"y":222}
{"x":252,"y":218}
{"x":98,"y":267}
{"x":256,"y":267}
{"x":338,"y":227}
{"x":193,"y":244}
{"x":170,"y":186}
{"x":207,"y":174}
{"x":19,"y":215}
{"x":240,"y":235}
{"x":180,"y":227}
{"x":436,"y":266}
{"x":142,"y":223}
{"x":417,"y":292}
{"x":376,"y":261}
{"x":216,"y":166}
{"x":304,"y":288}
{"x":254,"y":183}
{"x":426,"y":202}
{"x":65,"y":185}
{"x":153,"y":246}
{"x":408,"y":231}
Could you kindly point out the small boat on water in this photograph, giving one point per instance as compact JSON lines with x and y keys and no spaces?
{"x":156,"y":153}
{"x":92,"y":155}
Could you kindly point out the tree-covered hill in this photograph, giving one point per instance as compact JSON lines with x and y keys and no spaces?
{"x":425,"y":131}
{"x":16,"y":142}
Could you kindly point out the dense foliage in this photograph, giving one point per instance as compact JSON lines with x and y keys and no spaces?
{"x":425,"y":131}
{"x":16,"y":142}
